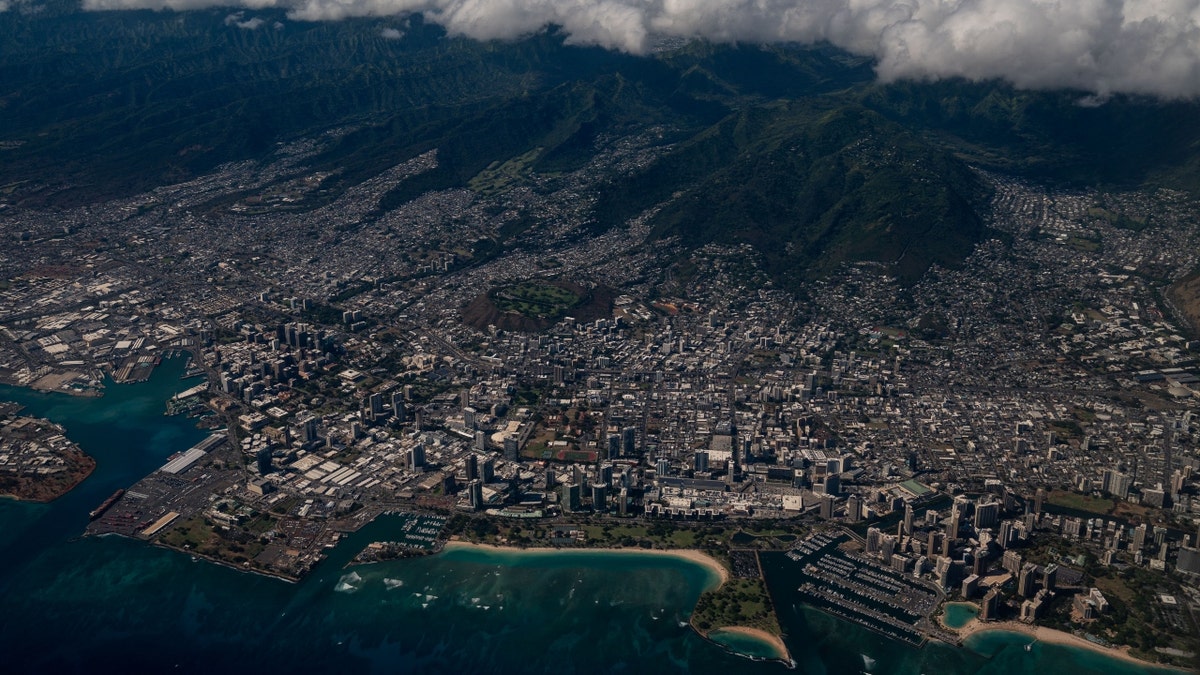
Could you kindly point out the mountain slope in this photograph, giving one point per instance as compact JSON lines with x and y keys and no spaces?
{"x":810,"y":187}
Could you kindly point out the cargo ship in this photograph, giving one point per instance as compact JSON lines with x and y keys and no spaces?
{"x":99,"y":510}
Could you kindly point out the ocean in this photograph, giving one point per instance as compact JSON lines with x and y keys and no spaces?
{"x":108,"y":604}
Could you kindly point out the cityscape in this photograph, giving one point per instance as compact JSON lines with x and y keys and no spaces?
{"x":1016,"y":432}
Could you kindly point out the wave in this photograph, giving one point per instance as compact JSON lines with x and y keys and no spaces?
{"x":346,"y":583}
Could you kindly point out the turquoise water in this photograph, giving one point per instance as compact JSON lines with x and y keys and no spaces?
{"x":101,"y":605}
{"x":1006,"y":651}
{"x":959,"y":614}
{"x":744,"y":644}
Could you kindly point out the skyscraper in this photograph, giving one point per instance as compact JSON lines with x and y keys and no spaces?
{"x":628,"y":441}
{"x":986,"y":515}
{"x":475,"y":492}
{"x":570,"y":497}
{"x":990,"y":607}
{"x":416,"y":457}
{"x":599,"y":497}
{"x":1026,"y":580}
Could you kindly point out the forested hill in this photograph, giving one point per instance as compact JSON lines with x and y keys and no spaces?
{"x":796,"y":150}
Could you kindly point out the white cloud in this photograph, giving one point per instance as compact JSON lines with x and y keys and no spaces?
{"x":235,"y":19}
{"x":391,"y":34}
{"x":26,"y":7}
{"x":1100,"y":46}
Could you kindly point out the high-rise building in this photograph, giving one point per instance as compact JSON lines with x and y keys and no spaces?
{"x":832,"y":484}
{"x":489,"y":470}
{"x":700,"y":461}
{"x":606,"y":473}
{"x":599,"y":497}
{"x":827,"y":504}
{"x":987,"y":515}
{"x":970,"y":586}
{"x":1188,"y":560}
{"x":309,"y":430}
{"x":908,"y":519}
{"x":887,"y":548}
{"x":570,"y":497}
{"x":472,"y":466}
{"x":614,"y":446}
{"x":264,"y":460}
{"x":1049,"y":577}
{"x":853,"y":509}
{"x":1008,"y":534}
{"x":874,"y":536}
{"x":475,"y":494}
{"x":990,"y":607}
{"x":628,"y":441}
{"x":1011,"y":562}
{"x":416,"y":457}
{"x":1027,"y":580}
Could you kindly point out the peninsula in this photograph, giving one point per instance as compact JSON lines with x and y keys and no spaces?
{"x":37,"y":461}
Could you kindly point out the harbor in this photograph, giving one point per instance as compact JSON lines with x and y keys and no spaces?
{"x":837,"y":580}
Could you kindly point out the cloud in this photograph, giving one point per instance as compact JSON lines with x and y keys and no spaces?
{"x":391,"y":34}
{"x":235,"y":19}
{"x":1099,"y":46}
{"x":26,"y":7}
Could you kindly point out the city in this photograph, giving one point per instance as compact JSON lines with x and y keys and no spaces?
{"x":1018,"y":431}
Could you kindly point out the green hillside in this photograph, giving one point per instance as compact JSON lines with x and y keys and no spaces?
{"x":795,"y":150}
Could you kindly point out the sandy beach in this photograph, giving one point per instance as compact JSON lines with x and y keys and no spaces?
{"x":781,"y":650}
{"x":691,"y":555}
{"x":1057,"y":637}
{"x":709,"y":562}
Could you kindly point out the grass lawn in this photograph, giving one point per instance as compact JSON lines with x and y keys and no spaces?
{"x":1072,"y":500}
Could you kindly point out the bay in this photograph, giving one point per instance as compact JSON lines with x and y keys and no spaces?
{"x":100,"y":605}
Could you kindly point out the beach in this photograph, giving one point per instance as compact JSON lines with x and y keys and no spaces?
{"x":1058,"y":637}
{"x":708,"y":562}
{"x":691,"y":555}
{"x":776,"y":642}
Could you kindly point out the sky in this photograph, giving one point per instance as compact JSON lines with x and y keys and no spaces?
{"x":1100,"y":46}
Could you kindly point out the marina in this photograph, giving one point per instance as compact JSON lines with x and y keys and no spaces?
{"x":839,"y":581}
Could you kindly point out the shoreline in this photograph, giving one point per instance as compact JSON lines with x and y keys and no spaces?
{"x":782,"y":653}
{"x":941,"y":617}
{"x":33,"y":386}
{"x":691,"y":555}
{"x":208,"y":558}
{"x":781,"y":650}
{"x":1058,"y":637}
